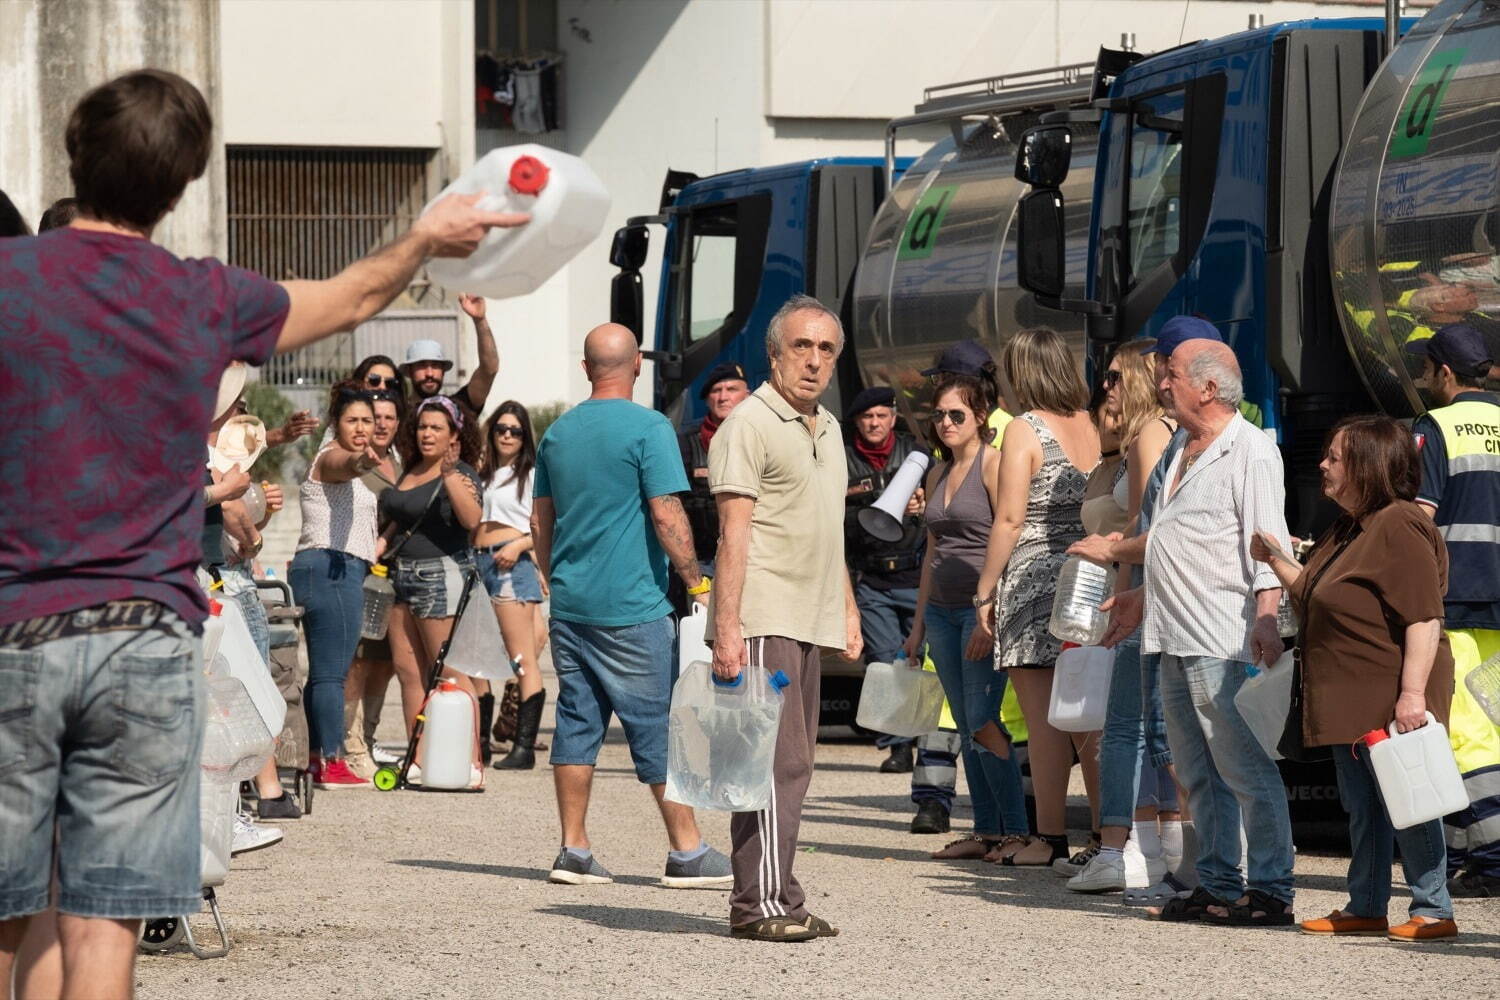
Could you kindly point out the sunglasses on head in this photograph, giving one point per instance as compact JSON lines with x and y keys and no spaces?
{"x":954,"y":417}
{"x":506,"y":430}
{"x":1111,"y":378}
{"x":383,"y":381}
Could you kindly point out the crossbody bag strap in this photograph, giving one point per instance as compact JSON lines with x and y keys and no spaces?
{"x":406,"y":537}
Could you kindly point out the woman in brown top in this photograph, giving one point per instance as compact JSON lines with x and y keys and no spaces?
{"x":1373,"y":650}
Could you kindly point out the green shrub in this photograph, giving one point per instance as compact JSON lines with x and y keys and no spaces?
{"x":542,"y":416}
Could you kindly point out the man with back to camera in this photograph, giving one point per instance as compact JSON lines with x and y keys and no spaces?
{"x":99,"y":536}
{"x":426,"y":363}
{"x":1459,"y":441}
{"x":723,"y":390}
{"x":605,"y":519}
{"x":777,"y":469}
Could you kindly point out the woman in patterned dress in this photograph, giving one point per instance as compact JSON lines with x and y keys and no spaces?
{"x":1046,"y":456}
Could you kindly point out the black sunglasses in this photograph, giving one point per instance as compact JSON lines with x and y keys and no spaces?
{"x":506,"y":430}
{"x":1110,"y":378}
{"x":383,"y":381}
{"x":955,"y":417}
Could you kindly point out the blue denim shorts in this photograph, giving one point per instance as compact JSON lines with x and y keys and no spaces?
{"x":627,"y":671}
{"x":108,"y":724}
{"x":431,"y":588}
{"x":519,"y":583}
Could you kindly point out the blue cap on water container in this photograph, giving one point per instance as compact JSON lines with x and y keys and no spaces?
{"x":739,"y":679}
{"x":779,"y":680}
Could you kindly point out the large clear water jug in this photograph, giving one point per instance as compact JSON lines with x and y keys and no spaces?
{"x":721,"y":738}
{"x":568,"y":205}
{"x":1080,"y":689}
{"x":447,"y":751}
{"x":899,"y":699}
{"x":236,"y":742}
{"x":1081,"y":587}
{"x":1418,"y":776}
{"x":1483,"y":683}
{"x":1265,"y":699}
{"x":239,"y":657}
{"x":379,"y":596}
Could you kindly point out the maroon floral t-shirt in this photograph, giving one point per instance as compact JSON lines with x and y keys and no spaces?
{"x":111,"y":351}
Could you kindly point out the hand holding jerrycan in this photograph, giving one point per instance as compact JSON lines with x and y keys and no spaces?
{"x":721,"y":738}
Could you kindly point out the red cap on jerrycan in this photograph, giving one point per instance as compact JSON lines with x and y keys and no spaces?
{"x":1374,"y":736}
{"x":215,"y":608}
{"x":528,"y":175}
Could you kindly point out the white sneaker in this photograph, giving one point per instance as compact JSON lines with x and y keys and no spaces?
{"x":1103,"y":873}
{"x":1142,"y":871}
{"x":250,"y":836}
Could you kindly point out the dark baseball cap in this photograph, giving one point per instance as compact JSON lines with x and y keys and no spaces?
{"x":876,"y":395}
{"x":721,"y":373}
{"x":1182,"y":328}
{"x":1457,"y":345}
{"x":967,"y":357}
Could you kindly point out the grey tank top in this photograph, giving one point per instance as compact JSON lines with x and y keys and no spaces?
{"x":961,"y":533}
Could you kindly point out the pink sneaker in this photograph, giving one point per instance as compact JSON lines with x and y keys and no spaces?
{"x":336,"y":774}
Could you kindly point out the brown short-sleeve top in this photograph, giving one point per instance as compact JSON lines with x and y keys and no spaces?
{"x":1370,"y":579}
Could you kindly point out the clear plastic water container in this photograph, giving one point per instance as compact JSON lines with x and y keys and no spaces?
{"x":1080,"y":688}
{"x":379,"y":596}
{"x":900,"y":700}
{"x":568,"y":205}
{"x":1483,"y":683}
{"x":213,"y":633}
{"x":236,"y":742}
{"x":721,"y":738}
{"x":237,"y":656}
{"x":1418,"y":776}
{"x":1081,"y":587}
{"x":1265,"y":700}
{"x":447,"y":751}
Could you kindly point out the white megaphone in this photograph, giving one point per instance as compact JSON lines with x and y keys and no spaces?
{"x":883,"y":517}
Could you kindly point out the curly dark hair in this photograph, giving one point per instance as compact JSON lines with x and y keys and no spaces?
{"x":525,"y":458}
{"x":467,"y":431}
{"x":976,"y":394}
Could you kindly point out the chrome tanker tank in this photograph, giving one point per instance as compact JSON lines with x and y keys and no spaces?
{"x":1415,"y":227}
{"x":940,"y":263}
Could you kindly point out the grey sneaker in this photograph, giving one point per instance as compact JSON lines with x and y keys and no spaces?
{"x":709,"y":870}
{"x":568,"y":870}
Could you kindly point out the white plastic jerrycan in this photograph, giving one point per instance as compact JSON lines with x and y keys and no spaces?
{"x":568,"y":205}
{"x":721,"y":738}
{"x":692,"y":647}
{"x":238,"y":657}
{"x":1418,"y":776}
{"x":1265,"y":700}
{"x":900,"y":700}
{"x":1080,"y":688}
{"x":447,"y":738}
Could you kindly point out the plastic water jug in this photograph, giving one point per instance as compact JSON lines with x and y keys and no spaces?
{"x":692,"y":647}
{"x":721,"y":738}
{"x":216,"y":802}
{"x":1418,"y":776}
{"x":1483,"y":683}
{"x":448,"y":738}
{"x":1265,"y":700}
{"x":568,"y":205}
{"x":213,"y":633}
{"x":900,"y":700}
{"x":1080,"y":688}
{"x":379,"y":596}
{"x":238,"y":657}
{"x":236,"y":743}
{"x":1081,"y":587}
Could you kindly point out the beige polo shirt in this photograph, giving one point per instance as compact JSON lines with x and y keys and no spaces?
{"x":795,"y":575}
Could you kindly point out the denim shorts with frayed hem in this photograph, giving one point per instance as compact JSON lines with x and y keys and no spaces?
{"x":519,"y":583}
{"x":625,"y":670}
{"x":110,"y":723}
{"x":431,"y":588}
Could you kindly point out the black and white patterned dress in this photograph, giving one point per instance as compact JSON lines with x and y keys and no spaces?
{"x":1053,"y":522}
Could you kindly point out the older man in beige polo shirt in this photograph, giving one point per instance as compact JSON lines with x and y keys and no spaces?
{"x":776,"y":469}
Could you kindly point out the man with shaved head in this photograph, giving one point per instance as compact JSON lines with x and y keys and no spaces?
{"x":1210,"y":611}
{"x":606,"y":520}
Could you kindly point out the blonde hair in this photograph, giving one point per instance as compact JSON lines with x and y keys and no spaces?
{"x":1043,"y":373}
{"x":1139,"y":403}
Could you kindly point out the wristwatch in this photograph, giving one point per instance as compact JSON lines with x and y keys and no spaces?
{"x":704,"y":586}
{"x":978,"y":603}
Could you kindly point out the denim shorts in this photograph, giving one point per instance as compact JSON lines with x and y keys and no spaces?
{"x":431,"y":588}
{"x":108,"y":725}
{"x":519,"y":583}
{"x":627,"y":671}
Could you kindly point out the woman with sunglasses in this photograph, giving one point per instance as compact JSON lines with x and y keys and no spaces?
{"x":334,"y":552}
{"x":378,"y":372}
{"x":432,"y":510}
{"x":960,"y":509}
{"x":502,"y":548}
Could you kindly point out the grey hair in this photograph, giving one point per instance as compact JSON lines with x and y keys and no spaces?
{"x":1224,"y":372}
{"x":775,"y":330}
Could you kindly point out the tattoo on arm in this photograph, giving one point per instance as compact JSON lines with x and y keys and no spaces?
{"x":676,"y":536}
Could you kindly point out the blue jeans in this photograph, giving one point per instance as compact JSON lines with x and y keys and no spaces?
{"x":239,"y":584}
{"x":1371,"y":838}
{"x":885,"y":618}
{"x":330,"y":587}
{"x":1227,"y":774}
{"x":1125,"y":776}
{"x":624,"y":670}
{"x":100,"y":737}
{"x":974,"y":689}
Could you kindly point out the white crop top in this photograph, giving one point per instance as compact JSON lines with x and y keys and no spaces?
{"x":501,"y":503}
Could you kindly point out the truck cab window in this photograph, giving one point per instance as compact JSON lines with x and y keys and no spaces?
{"x":711,"y":286}
{"x":1154,"y":221}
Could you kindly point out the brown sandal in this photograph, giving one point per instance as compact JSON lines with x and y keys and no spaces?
{"x":1007,"y":846}
{"x":774,"y":929}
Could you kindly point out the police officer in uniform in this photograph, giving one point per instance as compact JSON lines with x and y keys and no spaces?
{"x":724,"y":389}
{"x":1460,"y":446}
{"x":886,"y":574}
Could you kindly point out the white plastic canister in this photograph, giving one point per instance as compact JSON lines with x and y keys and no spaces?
{"x":1418,"y":776}
{"x":448,"y":738}
{"x":1080,"y":688}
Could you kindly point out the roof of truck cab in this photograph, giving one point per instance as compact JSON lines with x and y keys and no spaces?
{"x":781,"y":171}
{"x":1250,"y":39}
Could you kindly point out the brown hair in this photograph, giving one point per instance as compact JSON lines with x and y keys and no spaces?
{"x":976,"y":396}
{"x":1381,"y":464}
{"x":62,"y":212}
{"x":1043,"y":373}
{"x":133,"y":145}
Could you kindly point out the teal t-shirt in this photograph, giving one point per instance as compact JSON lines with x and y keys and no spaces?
{"x":601,"y":463}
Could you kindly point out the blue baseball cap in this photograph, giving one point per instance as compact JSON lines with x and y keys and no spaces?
{"x":1181,"y":328}
{"x":967,"y":357}
{"x":1457,"y":345}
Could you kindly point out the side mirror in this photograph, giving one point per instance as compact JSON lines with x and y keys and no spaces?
{"x":628,"y":251}
{"x":1039,"y":257}
{"x":625,"y":302}
{"x":1044,"y":156}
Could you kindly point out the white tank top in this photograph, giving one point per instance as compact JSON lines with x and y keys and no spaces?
{"x":502,"y":504}
{"x":339,"y":516}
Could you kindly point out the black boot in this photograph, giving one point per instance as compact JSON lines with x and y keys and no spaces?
{"x":522,"y":756}
{"x":486,"y":717}
{"x":900,"y":761}
{"x":931,"y":817}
